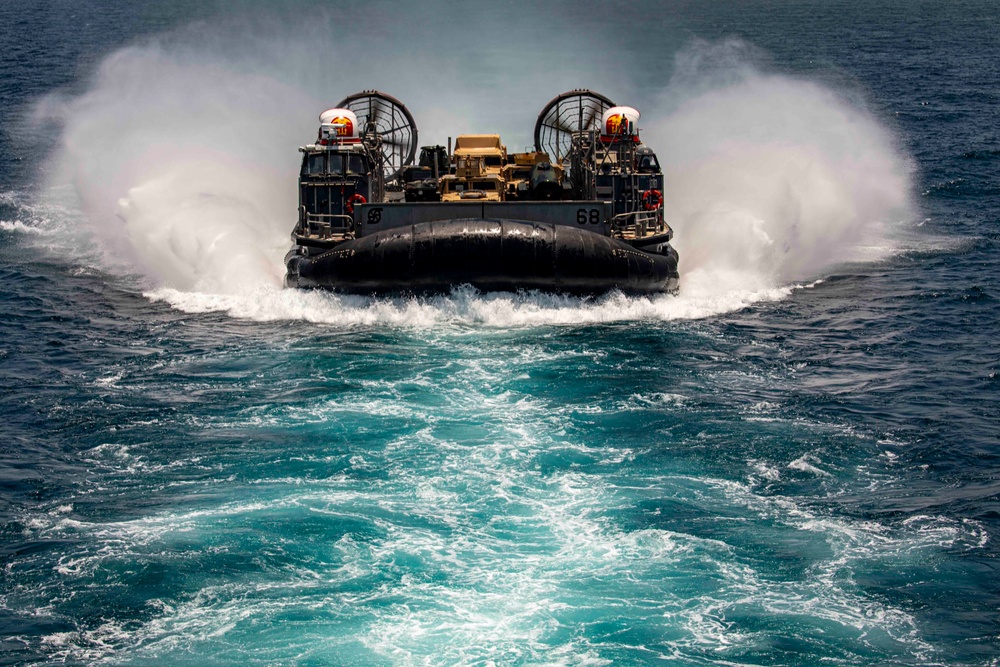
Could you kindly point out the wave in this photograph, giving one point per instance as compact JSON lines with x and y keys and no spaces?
{"x":464,"y":305}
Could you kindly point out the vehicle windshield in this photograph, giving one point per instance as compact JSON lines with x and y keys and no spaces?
{"x":490,"y":186}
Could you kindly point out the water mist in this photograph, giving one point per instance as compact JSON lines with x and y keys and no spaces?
{"x":183,"y":159}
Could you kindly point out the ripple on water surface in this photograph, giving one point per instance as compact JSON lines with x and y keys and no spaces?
{"x":468,"y":500}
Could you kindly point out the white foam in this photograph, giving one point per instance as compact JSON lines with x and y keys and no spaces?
{"x":20,"y":227}
{"x":480,"y":555}
{"x":809,"y":463}
{"x":465,"y":306}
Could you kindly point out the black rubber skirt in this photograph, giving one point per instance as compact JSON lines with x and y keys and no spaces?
{"x":491,"y":255}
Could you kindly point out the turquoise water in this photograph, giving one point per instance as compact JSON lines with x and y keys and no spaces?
{"x":791,"y":462}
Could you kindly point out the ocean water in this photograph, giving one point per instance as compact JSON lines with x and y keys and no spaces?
{"x":793,"y":461}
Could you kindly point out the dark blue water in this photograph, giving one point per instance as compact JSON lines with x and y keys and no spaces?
{"x":795,"y":461}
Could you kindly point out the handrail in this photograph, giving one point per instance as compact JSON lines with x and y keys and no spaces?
{"x":321,"y":225}
{"x":642,"y":222}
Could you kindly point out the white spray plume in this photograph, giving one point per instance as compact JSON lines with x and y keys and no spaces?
{"x":770,"y":178}
{"x":182,"y":153}
{"x":184,"y":167}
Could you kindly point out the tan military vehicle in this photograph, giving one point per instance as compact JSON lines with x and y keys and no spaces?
{"x":482,"y":186}
{"x":532,"y":176}
{"x":478,"y":162}
{"x":485,"y":147}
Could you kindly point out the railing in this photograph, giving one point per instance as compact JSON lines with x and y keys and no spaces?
{"x":639,"y":223}
{"x":325,"y":227}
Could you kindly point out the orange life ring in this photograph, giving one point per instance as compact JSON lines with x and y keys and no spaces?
{"x":355,"y":199}
{"x":652,"y":199}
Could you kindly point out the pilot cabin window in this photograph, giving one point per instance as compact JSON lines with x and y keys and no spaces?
{"x":336,"y":164}
{"x":314,"y":164}
{"x":356,"y":165}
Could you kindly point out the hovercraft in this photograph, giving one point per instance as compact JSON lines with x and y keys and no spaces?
{"x":582,"y":213}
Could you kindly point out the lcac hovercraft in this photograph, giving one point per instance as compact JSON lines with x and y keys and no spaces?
{"x":582,"y":213}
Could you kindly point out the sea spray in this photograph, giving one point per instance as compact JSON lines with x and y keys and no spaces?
{"x":181,"y":166}
{"x":770,"y":179}
{"x":464,"y":306}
